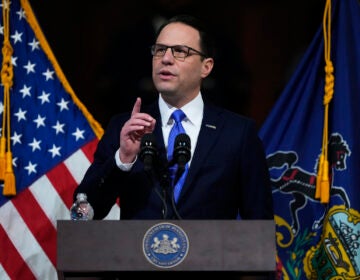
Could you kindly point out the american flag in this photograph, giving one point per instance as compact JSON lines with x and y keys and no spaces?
{"x":52,"y":140}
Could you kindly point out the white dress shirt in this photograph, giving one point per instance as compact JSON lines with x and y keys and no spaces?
{"x":194,"y":111}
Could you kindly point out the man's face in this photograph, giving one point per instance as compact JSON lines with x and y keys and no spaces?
{"x":179,"y":78}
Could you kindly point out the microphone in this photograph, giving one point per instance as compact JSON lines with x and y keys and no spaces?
{"x":182,"y":150}
{"x":148,"y":151}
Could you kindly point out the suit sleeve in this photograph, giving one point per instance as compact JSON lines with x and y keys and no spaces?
{"x":102,"y":178}
{"x":256,"y":195}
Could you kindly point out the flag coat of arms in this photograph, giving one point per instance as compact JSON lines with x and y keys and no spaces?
{"x":48,"y":138}
{"x":319,"y":239}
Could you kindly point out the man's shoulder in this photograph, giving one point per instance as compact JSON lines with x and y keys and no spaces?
{"x":227,"y":114}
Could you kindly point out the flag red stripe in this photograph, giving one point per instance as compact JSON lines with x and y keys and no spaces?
{"x":37,"y":222}
{"x":63,"y":182}
{"x":10,"y":259}
{"x":90,"y":148}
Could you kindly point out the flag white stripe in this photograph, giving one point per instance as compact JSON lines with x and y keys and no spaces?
{"x":49,"y":200}
{"x":25,"y":243}
{"x":114,"y":213}
{"x":77,"y":164}
{"x":3,"y":274}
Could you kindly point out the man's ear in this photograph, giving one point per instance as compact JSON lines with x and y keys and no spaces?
{"x":208,"y":65}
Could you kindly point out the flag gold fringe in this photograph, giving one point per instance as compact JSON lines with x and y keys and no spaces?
{"x":322,"y":180}
{"x":9,"y":181}
{"x":2,"y":156}
{"x":7,"y":74}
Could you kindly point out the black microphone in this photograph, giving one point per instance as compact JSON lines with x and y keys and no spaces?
{"x":182,"y":150}
{"x":148,"y":151}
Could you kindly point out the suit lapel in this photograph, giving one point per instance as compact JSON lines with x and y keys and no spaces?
{"x":154,"y":111}
{"x":210,"y":130}
{"x":211,"y":127}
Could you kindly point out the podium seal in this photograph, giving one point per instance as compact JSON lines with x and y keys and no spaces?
{"x":165,"y":245}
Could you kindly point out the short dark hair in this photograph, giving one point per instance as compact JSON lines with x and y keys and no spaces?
{"x":206,"y":39}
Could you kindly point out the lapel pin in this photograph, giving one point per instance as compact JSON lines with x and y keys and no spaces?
{"x":210,"y":126}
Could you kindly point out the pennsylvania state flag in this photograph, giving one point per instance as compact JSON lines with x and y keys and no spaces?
{"x":319,"y":110}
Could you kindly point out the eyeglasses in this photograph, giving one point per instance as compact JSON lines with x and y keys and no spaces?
{"x":179,"y":52}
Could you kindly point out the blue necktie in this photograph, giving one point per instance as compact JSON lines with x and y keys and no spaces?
{"x":177,"y":128}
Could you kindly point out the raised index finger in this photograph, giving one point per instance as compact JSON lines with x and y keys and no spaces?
{"x":137,"y":106}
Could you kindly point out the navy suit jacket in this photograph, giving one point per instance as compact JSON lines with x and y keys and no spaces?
{"x":228,"y":175}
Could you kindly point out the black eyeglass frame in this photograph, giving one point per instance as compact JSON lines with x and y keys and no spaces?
{"x":187,"y":50}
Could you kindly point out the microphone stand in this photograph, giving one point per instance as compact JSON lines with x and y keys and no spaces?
{"x":155,"y":167}
{"x":168,"y":187}
{"x":179,"y":173}
{"x":172,"y":184}
{"x":164,"y":181}
{"x":181,"y":155}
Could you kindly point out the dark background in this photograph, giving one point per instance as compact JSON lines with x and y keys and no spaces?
{"x":103,"y":48}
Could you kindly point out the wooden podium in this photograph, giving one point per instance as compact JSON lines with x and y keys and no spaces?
{"x":109,"y":247}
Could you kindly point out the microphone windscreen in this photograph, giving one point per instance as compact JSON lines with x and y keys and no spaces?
{"x":182,"y":149}
{"x":182,"y":140}
{"x":148,"y":150}
{"x":147,"y":140}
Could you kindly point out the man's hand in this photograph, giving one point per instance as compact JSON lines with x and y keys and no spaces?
{"x":132,"y":132}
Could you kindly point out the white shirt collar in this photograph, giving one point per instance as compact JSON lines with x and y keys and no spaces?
{"x":193,"y":110}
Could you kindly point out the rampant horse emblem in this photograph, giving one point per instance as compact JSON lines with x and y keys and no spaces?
{"x":333,"y":252}
{"x":301,"y":184}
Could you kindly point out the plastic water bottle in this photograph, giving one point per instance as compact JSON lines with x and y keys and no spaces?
{"x":81,"y":210}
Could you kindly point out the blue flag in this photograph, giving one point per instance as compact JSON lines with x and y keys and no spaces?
{"x":319,"y":239}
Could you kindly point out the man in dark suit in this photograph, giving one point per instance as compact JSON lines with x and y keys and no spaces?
{"x":226,"y":176}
